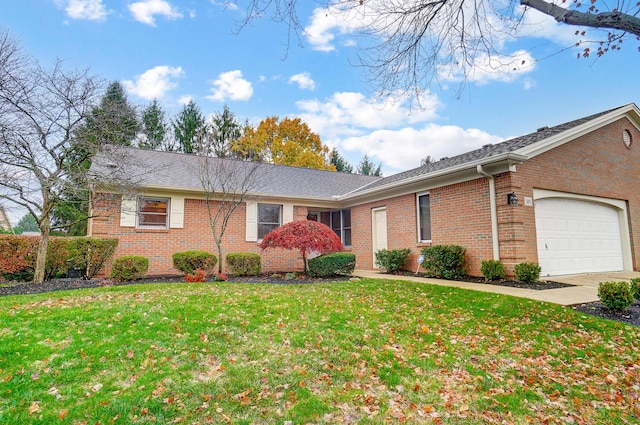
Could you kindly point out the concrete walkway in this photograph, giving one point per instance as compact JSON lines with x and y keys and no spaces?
{"x":584,"y":291}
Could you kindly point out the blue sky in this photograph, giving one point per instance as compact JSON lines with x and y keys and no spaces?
{"x":176,"y":50}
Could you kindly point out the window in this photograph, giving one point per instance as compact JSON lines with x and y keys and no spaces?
{"x":424,"y":217}
{"x":153,"y":212}
{"x":341,"y":225}
{"x":269,"y":217}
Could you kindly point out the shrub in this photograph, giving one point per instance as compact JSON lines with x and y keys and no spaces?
{"x":18,"y":257}
{"x":392,"y":260}
{"x":527,"y":272}
{"x":127,"y":268}
{"x":221,"y":277}
{"x":635,"y":287}
{"x":337,"y":263}
{"x":89,"y":254}
{"x":444,"y":261}
{"x":244,"y":263}
{"x":616,"y":296}
{"x":189,"y":261}
{"x":197,"y":275}
{"x":492,"y":269}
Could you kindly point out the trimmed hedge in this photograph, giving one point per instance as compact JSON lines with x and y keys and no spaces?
{"x":190,"y":261}
{"x":336,"y":263}
{"x":131,"y":267}
{"x":616,"y":296}
{"x":392,"y":260}
{"x":492,"y":270}
{"x":444,"y":261}
{"x":18,"y":256}
{"x":89,"y":254}
{"x":244,"y":263}
{"x":527,"y":272}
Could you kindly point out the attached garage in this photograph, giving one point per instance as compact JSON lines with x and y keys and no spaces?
{"x":579,"y":235}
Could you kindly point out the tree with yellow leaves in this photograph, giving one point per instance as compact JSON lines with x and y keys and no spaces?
{"x":286,"y":142}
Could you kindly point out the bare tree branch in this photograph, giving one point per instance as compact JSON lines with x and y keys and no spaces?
{"x":614,"y":20}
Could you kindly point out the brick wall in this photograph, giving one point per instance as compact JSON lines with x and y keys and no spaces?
{"x":159,"y":245}
{"x":596,"y":164}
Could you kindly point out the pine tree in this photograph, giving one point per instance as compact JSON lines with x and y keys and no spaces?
{"x":154,"y":126}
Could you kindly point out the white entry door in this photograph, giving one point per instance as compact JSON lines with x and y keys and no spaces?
{"x":577,"y":236}
{"x":378,"y":230}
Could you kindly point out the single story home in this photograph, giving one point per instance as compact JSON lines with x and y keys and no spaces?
{"x":566,"y":197}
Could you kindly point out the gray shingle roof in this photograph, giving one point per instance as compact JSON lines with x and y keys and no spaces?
{"x":485,"y":152}
{"x":179,"y":171}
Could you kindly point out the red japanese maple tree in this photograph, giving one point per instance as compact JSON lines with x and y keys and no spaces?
{"x":306,"y":236}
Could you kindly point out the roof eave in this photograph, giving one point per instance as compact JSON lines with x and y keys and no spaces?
{"x":494,"y":165}
{"x":631,"y":111}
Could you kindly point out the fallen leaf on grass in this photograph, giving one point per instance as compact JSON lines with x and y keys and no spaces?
{"x":34,"y":407}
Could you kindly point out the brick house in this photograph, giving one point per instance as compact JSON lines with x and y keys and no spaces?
{"x":565,"y":197}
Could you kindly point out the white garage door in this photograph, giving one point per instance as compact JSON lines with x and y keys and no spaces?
{"x":576,"y":236}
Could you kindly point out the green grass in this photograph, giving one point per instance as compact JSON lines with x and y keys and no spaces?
{"x":367,"y":352}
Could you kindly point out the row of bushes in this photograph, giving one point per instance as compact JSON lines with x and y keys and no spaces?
{"x":448,"y":262}
{"x":85,"y":254}
{"x":197,"y":265}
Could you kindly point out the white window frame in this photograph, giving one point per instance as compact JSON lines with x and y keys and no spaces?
{"x":418,"y":196}
{"x":166,"y":214}
{"x":258,"y":222}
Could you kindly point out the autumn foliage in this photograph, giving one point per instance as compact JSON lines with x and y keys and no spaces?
{"x":305,"y":236}
{"x":284,"y":142}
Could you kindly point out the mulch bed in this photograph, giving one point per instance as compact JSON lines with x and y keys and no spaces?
{"x":630,"y":316}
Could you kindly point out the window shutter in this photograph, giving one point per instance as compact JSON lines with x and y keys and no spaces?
{"x":176,"y":220}
{"x":251,"y":225}
{"x":287,"y":213}
{"x":128,"y":212}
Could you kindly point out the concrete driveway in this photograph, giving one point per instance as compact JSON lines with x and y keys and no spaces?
{"x":584,"y":291}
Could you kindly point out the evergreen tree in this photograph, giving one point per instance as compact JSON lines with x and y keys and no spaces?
{"x":368,"y":168}
{"x":114,"y":120}
{"x":189,"y":128}
{"x":154,"y":126}
{"x":339,"y":162}
{"x":224,"y":129}
{"x":27,"y":223}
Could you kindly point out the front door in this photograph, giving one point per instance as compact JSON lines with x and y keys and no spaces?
{"x":378,"y":230}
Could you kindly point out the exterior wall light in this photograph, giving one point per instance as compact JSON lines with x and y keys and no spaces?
{"x":512,"y":199}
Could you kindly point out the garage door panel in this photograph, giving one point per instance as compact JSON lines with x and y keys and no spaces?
{"x":577,"y":236}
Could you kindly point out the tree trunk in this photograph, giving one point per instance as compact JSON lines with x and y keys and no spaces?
{"x":219,"y":245}
{"x":41,"y":258}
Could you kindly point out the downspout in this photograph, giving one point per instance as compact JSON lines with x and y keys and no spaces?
{"x":494,"y":211}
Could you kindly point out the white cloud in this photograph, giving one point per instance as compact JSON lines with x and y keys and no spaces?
{"x":303,"y":80}
{"x":320,"y":31}
{"x":349,"y":113}
{"x":487,"y":68}
{"x":231,"y":85}
{"x":146,"y":10}
{"x":389,"y":131}
{"x":93,"y":10}
{"x":402,"y":149}
{"x":155,"y":82}
{"x":183,"y":100}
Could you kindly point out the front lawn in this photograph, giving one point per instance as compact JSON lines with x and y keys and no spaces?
{"x":367,"y":352}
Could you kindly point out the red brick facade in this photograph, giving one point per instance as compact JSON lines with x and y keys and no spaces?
{"x":596,"y":164}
